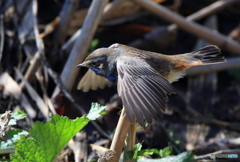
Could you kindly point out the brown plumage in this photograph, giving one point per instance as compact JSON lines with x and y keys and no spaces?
{"x":143,"y":77}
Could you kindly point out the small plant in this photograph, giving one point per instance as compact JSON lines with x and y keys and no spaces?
{"x":44,"y":141}
{"x":9,"y":137}
{"x":139,"y":154}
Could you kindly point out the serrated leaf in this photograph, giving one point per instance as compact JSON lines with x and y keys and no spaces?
{"x":14,"y":136}
{"x":16,"y":116}
{"x":47,"y":139}
{"x":183,"y":157}
{"x":166,"y":151}
{"x":95,"y":111}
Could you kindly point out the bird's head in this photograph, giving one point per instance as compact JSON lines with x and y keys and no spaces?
{"x":100,"y":61}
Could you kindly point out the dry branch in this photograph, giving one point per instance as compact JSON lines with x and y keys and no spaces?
{"x":98,"y":149}
{"x":29,"y":21}
{"x":120,"y":134}
{"x":206,"y":11}
{"x":1,"y":36}
{"x":65,"y":18}
{"x":109,"y":8}
{"x":192,"y":27}
{"x":49,"y":28}
{"x":34,"y":95}
{"x":10,"y":86}
{"x":48,"y":102}
{"x":161,"y":35}
{"x":82,"y":43}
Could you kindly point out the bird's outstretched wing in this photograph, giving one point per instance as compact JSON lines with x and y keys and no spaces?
{"x":92,"y":81}
{"x":142,"y":89}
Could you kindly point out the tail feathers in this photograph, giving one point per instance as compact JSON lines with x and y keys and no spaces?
{"x":208,"y":55}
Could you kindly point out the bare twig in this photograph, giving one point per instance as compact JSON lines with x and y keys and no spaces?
{"x":44,"y":90}
{"x":36,"y":60}
{"x":120,"y":134}
{"x":160,"y":34}
{"x":14,"y":89}
{"x":34,"y":95}
{"x":192,"y":27}
{"x":2,"y":37}
{"x":65,"y":18}
{"x":49,"y":28}
{"x":99,"y":149}
{"x":206,"y":11}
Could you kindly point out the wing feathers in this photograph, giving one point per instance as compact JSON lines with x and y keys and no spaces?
{"x":142,"y":89}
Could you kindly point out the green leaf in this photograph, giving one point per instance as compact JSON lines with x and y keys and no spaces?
{"x":4,"y":159}
{"x":183,"y":157}
{"x":14,"y":136}
{"x":47,"y":139}
{"x":140,"y":127}
{"x":94,"y":43}
{"x":166,"y":151}
{"x":95,"y":111}
{"x":144,"y":152}
{"x":154,"y":151}
{"x":137,"y":148}
{"x":138,"y":153}
{"x":16,"y":116}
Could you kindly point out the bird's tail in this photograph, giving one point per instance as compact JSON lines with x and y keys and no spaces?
{"x":203,"y":56}
{"x":208,"y":55}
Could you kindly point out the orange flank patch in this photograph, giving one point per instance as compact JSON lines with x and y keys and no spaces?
{"x":184,"y":64}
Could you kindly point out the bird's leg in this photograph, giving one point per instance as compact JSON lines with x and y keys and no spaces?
{"x":119,"y":136}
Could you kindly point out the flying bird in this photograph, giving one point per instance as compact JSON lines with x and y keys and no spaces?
{"x":143,"y":78}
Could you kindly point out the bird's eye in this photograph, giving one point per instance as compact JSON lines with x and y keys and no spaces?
{"x":93,"y":63}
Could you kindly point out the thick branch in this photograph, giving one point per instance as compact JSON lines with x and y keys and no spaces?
{"x":81,"y":45}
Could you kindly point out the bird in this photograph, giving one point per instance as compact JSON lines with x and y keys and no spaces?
{"x":143,"y":78}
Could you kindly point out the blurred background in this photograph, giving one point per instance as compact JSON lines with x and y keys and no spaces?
{"x":42,"y":42}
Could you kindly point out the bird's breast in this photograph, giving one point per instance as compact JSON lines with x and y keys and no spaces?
{"x":113,"y":78}
{"x":175,"y":75}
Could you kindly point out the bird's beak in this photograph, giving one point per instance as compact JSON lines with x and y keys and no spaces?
{"x":82,"y":65}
